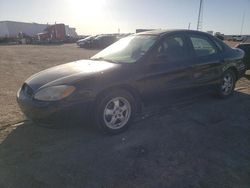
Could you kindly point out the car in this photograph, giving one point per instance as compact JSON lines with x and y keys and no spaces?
{"x":80,"y":40}
{"x":238,"y":38}
{"x":246,"y":48}
{"x":112,"y":85}
{"x":85,"y":43}
{"x":102,"y":41}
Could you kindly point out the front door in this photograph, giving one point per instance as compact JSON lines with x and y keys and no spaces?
{"x":168,"y":74}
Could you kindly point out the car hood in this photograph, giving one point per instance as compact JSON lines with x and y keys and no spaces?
{"x":68,"y":73}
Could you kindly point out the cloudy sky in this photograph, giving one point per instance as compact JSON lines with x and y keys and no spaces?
{"x":107,"y":16}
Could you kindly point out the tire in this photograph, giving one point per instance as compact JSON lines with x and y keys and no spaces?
{"x":227,"y":85}
{"x":115,"y":111}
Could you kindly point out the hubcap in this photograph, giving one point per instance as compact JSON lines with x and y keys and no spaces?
{"x":117,"y":113}
{"x":227,"y":84}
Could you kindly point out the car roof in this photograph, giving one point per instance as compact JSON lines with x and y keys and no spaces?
{"x":160,"y":32}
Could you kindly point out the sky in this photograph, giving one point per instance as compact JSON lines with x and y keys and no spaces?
{"x":109,"y":16}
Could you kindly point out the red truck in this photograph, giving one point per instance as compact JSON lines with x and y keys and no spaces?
{"x":53,"y":33}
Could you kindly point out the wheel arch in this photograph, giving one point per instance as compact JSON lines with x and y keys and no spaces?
{"x":133,"y":91}
{"x":234,"y":69}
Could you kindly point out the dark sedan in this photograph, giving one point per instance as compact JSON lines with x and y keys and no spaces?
{"x":114,"y":83}
{"x":102,"y":41}
{"x":85,"y":43}
{"x":246,"y":48}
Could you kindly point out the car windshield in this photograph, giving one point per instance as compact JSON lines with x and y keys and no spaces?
{"x":127,"y":50}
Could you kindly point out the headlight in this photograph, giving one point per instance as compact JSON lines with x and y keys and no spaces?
{"x":54,"y":93}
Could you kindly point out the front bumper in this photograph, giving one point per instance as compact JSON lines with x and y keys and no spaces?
{"x":54,"y":112}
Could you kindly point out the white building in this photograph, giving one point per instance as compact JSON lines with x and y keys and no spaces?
{"x":11,"y":29}
{"x":70,"y":31}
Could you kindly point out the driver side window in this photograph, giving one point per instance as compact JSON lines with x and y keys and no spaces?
{"x":172,"y":48}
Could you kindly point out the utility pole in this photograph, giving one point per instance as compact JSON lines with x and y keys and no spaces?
{"x":200,"y":16}
{"x":242,"y":23}
{"x":189,"y":25}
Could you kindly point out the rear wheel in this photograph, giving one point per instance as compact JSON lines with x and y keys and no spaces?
{"x":226,"y":88}
{"x":115,"y":111}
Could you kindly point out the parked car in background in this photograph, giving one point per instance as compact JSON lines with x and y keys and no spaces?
{"x":219,"y":36}
{"x":246,"y":48}
{"x":86,"y":43}
{"x":238,"y":38}
{"x":122,"y":35}
{"x":80,"y":40}
{"x":102,"y":41}
{"x":113,"y":84}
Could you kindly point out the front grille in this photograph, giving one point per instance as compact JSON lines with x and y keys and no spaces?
{"x":27,"y":90}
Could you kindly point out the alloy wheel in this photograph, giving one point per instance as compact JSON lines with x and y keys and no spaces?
{"x":227,"y":84}
{"x":117,"y":113}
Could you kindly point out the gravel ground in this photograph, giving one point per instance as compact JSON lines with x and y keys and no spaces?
{"x":200,"y":143}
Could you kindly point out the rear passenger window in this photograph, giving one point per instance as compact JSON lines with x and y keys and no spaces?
{"x":202,"y":46}
{"x":219,"y":45}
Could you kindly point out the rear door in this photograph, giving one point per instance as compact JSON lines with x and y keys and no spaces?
{"x":206,"y":62}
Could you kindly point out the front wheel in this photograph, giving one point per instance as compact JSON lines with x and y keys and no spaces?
{"x":226,"y":88}
{"x":115,"y":111}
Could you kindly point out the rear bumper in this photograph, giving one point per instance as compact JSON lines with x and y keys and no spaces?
{"x":247,"y":65}
{"x":242,"y":73}
{"x":241,"y":70}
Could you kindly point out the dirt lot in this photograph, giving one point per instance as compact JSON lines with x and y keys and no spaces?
{"x":203,"y":142}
